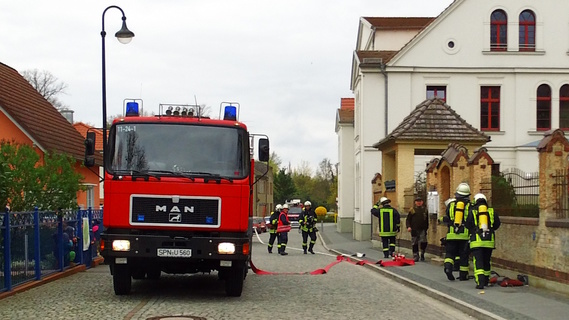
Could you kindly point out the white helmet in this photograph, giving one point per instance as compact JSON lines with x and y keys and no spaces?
{"x":463,"y":189}
{"x":384,"y":200}
{"x":307,"y":203}
{"x":278,"y":207}
{"x":285,"y":206}
{"x":448,"y":201}
{"x":479,"y":196}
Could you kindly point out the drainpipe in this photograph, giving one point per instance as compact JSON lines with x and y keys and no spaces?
{"x":386,"y":85}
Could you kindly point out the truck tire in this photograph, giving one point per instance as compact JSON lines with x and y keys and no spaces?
{"x":122,"y":280}
{"x":234,"y":281}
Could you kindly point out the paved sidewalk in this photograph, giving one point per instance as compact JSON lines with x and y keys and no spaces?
{"x":491,"y":303}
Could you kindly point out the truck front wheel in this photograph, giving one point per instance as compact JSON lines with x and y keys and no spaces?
{"x":122,"y":280}
{"x":234,"y":281}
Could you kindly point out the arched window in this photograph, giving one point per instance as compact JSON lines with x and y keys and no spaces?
{"x":527,"y":31}
{"x":543,"y":108}
{"x":564,"y":107}
{"x":498,"y":31}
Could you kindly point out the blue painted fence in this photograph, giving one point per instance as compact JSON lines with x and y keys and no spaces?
{"x":39,"y":243}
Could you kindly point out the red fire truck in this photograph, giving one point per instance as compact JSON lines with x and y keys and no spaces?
{"x":178,"y":194}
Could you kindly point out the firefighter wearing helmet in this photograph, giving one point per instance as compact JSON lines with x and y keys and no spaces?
{"x":308,"y":226}
{"x":482,"y":221}
{"x":456,"y":246}
{"x":389,"y":225}
{"x":283,"y":227}
{"x":273,"y":226}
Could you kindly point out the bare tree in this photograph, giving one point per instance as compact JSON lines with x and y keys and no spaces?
{"x":47,"y":85}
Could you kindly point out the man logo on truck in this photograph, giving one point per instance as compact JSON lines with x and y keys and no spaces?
{"x":175,"y":209}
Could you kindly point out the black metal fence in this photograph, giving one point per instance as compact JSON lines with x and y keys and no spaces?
{"x":561,"y":186}
{"x":36,"y":244}
{"x":514,"y":193}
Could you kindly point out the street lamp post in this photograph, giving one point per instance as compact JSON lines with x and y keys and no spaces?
{"x":124,"y":36}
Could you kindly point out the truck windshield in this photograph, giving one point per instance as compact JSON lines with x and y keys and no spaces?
{"x":178,"y":148}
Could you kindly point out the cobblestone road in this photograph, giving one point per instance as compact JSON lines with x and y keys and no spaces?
{"x":347,"y":291}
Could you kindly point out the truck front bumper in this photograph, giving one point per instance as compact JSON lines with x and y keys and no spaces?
{"x":194,"y":248}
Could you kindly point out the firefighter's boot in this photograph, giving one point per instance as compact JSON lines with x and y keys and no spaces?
{"x":310,"y":248}
{"x":270,"y":249}
{"x":448,"y":271}
{"x":481,"y":281}
{"x":304,"y":248}
{"x":463,"y":276}
{"x":422,"y":255}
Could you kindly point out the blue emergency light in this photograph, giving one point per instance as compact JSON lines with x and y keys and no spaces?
{"x":132,"y":109}
{"x":230,"y":113}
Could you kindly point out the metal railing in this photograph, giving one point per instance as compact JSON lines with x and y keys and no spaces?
{"x":514,"y":193}
{"x":39,"y":243}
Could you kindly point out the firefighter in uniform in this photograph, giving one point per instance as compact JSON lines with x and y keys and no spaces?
{"x":389,"y":221}
{"x":273,"y":227}
{"x":417,"y":223}
{"x":308,"y":226}
{"x":482,"y":221}
{"x":457,"y":233}
{"x":283,"y":227}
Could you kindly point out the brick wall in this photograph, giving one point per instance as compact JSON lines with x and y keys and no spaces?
{"x":534,"y":246}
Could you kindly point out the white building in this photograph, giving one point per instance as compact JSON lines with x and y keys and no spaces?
{"x":503,"y":66}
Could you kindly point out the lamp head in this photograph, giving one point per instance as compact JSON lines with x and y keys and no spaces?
{"x":124,"y":35}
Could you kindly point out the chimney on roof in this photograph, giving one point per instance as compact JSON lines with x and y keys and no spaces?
{"x":68,"y":114}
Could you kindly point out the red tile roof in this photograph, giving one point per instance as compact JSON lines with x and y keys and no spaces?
{"x":36,"y":116}
{"x":83,"y":128}
{"x":347,"y":103}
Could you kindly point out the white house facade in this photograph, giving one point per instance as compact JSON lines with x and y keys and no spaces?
{"x":503,"y":66}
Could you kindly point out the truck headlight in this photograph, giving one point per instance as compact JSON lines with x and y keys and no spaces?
{"x":226,"y":248}
{"x":121,"y":245}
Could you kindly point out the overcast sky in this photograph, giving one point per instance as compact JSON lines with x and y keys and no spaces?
{"x":286,"y":62}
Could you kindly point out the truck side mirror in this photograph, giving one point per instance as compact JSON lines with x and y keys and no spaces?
{"x":90,"y":150}
{"x":264,"y":150}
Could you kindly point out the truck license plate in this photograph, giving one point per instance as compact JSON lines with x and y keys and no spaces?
{"x":175,"y":253}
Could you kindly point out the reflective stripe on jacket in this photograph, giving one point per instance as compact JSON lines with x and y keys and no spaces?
{"x":479,"y":238}
{"x":387,"y":222}
{"x":304,"y":220}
